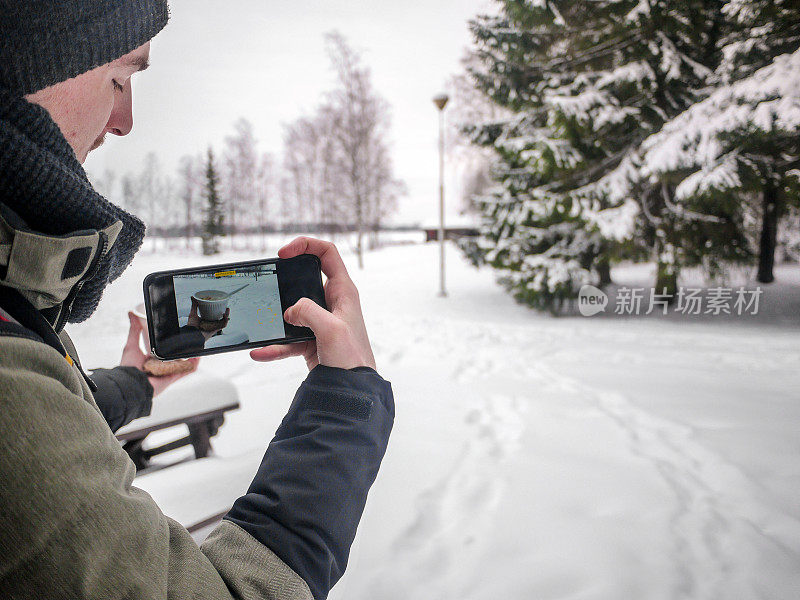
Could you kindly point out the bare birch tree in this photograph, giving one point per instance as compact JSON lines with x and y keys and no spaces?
{"x":105,"y":184}
{"x":361,"y":125}
{"x":286,"y":193}
{"x":265,"y":184}
{"x":240,"y":162}
{"x":383,"y":190}
{"x":190,"y":178}
{"x":468,"y":109}
{"x":131,"y":194}
{"x":312,"y":166}
{"x":152,"y":193}
{"x":301,"y":142}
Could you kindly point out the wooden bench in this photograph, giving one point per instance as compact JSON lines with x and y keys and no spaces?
{"x":198,"y":401}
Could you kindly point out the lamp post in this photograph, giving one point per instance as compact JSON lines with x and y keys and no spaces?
{"x":441,"y":101}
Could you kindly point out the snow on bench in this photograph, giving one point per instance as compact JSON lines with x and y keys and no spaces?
{"x":197,"y":494}
{"x":199,"y":401}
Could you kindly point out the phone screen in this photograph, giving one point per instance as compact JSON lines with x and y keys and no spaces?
{"x":192,"y":312}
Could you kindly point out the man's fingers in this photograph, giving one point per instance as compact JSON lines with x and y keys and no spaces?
{"x":134,"y":331}
{"x":332,"y":263}
{"x":271,"y":353}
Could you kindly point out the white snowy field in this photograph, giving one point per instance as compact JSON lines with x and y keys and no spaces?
{"x":534,"y":457}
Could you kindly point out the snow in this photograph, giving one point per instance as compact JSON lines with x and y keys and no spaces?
{"x":641,"y":10}
{"x":742,"y":10}
{"x":768,"y":100}
{"x":535,"y":457}
{"x":617,"y":222}
{"x":580,"y":103}
{"x":723,"y":175}
{"x":182,"y":400}
{"x":634,"y":72}
{"x":219,"y":479}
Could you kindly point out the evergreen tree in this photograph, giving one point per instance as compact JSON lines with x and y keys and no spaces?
{"x":752,"y":119}
{"x":740,"y":144}
{"x":587,"y":82}
{"x":697,"y":174}
{"x":212,"y":215}
{"x":532,"y":233}
{"x":666,"y":66}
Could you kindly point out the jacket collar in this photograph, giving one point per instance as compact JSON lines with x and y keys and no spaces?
{"x":49,"y":270}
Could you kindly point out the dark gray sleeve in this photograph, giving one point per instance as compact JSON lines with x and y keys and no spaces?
{"x":123,"y":394}
{"x":188,"y":339}
{"x":307,"y":497}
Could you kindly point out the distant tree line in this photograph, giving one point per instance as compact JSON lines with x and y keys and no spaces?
{"x":336,"y":174}
{"x":663,"y":130}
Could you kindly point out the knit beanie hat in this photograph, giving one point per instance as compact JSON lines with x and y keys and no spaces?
{"x":44,"y":42}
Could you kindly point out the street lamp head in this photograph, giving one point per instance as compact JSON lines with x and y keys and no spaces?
{"x":441,"y":101}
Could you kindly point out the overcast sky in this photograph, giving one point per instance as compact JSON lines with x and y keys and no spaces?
{"x":265,"y":61}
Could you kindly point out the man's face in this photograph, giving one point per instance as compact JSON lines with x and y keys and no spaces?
{"x":95,"y":103}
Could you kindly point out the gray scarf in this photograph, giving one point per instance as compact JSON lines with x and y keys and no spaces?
{"x":42,"y":181}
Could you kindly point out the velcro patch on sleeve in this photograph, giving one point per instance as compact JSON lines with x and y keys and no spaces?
{"x":339,"y":403}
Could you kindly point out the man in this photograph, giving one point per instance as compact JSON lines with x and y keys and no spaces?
{"x":71,"y":524}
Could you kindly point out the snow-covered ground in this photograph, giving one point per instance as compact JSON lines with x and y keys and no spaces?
{"x":534,"y":457}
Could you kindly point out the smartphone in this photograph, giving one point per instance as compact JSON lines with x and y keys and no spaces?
{"x":227,"y":307}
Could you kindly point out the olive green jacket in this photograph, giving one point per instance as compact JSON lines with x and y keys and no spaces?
{"x":72,"y":525}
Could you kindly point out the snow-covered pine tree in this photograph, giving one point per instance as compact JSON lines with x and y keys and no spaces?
{"x":664,"y":67}
{"x":740,"y":144}
{"x":212,"y":214}
{"x":735,"y":154}
{"x":587,"y":81}
{"x":743,"y":143}
{"x":532,"y":232}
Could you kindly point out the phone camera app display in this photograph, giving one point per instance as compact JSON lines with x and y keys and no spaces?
{"x":228,"y":308}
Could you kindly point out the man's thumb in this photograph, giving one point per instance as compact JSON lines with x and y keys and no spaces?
{"x":308,"y":313}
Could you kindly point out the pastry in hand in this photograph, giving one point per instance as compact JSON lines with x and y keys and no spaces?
{"x":163,"y":368}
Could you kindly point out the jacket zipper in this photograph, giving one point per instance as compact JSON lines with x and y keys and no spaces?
{"x":66,"y":306}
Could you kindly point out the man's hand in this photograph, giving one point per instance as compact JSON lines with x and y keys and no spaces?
{"x":341,"y":334}
{"x":132,"y":356}
{"x":195,"y":320}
